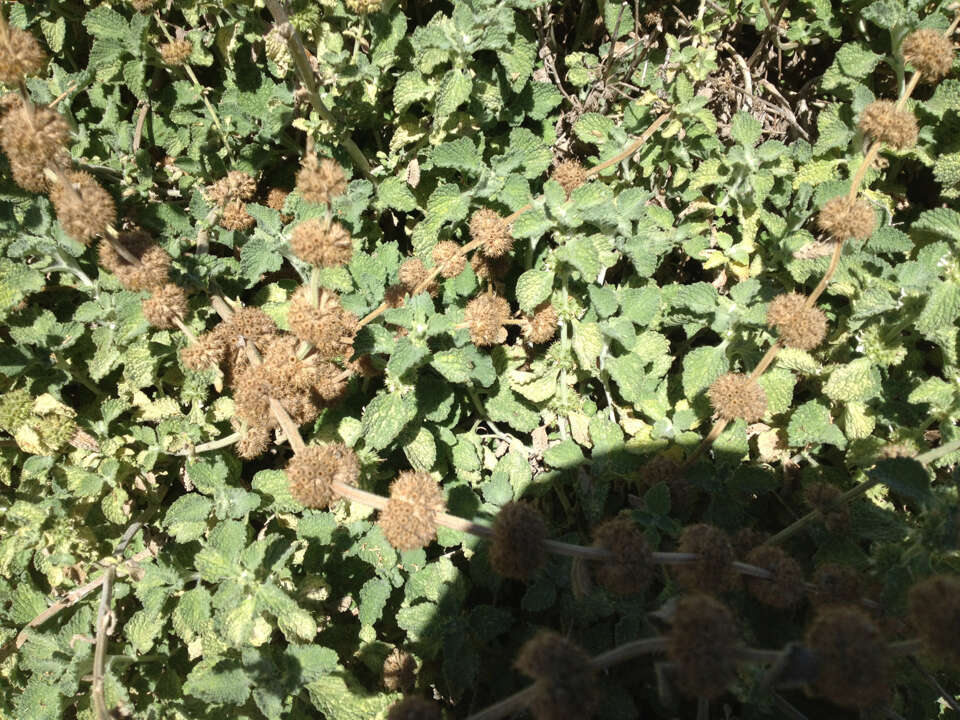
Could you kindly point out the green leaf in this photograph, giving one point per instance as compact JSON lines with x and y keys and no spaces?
{"x":852,"y":62}
{"x":39,"y":701}
{"x":701,"y":367}
{"x":533,"y":287}
{"x":406,"y":356}
{"x":454,"y":91}
{"x":373,"y":598}
{"x":385,"y":416}
{"x":460,"y":154}
{"x":220,"y":557}
{"x":811,"y":424}
{"x":186,"y":519}
{"x":258,"y":257}
{"x":410,"y":88}
{"x":905,"y":476}
{"x":745,"y":129}
{"x":340,"y":697}
{"x":857,"y":380}
{"x":453,"y":365}
{"x":421,"y":450}
{"x":941,"y":309}
{"x":614,"y":12}
{"x":218,"y":681}
{"x":192,"y":613}
{"x":565,"y":455}
{"x":593,"y":128}
{"x":526,"y":152}
{"x":395,"y":193}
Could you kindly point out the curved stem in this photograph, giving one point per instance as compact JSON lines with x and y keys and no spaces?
{"x":827,"y":276}
{"x":632,"y":147}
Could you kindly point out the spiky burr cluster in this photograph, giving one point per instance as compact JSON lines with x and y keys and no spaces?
{"x":142,"y":5}
{"x":322,"y":242}
{"x":399,"y":671}
{"x":231,"y":194}
{"x":447,"y":256}
{"x":541,"y":326}
{"x":253,"y":443}
{"x":786,"y":588}
{"x":735,"y":395}
{"x":516,"y":549}
{"x":33,"y":140}
{"x":152,"y":268}
{"x":630,"y":570}
{"x":703,"y":641}
{"x":853,"y":665}
{"x":835,"y":584}
{"x":485,"y":316}
{"x":844,"y":219}
{"x":277,"y":198}
{"x":564,"y":680}
{"x":165,"y":306}
{"x":20,"y":55}
{"x":414,"y":708}
{"x":930,"y":52}
{"x":492,"y":231}
{"x":313,"y":471}
{"x":176,"y":52}
{"x":570,"y":174}
{"x":364,"y":7}
{"x":799,"y":326}
{"x":934,"y":606}
{"x":883,"y":122}
{"x":409,"y":519}
{"x":823,"y":497}
{"x":324,"y":324}
{"x":489,"y":269}
{"x":712,"y":571}
{"x":83,"y":207}
{"x":319,"y":181}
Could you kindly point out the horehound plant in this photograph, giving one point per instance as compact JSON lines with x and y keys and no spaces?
{"x":283,"y":381}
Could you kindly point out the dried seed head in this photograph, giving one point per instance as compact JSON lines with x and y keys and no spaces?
{"x":542,"y":325}
{"x":493,"y":231}
{"x":409,"y":519}
{"x":83,"y":208}
{"x":236,"y":185}
{"x":322,"y":242}
{"x":702,"y":645}
{"x":934,"y":606}
{"x":630,"y":570}
{"x":836,"y":584}
{"x":153,"y":269}
{"x":746,"y":539}
{"x":234,"y":216}
{"x":516,"y":549}
{"x":326,"y":325}
{"x":930,"y":52}
{"x":486,"y":315}
{"x":799,"y":326}
{"x":143,"y":5}
{"x":15,"y":409}
{"x":399,"y":671}
{"x":666,"y":470}
{"x":414,"y":708}
{"x":713,"y":572}
{"x":277,"y":198}
{"x":738,"y":396}
{"x":20,"y":55}
{"x":884,"y":123}
{"x":32,"y":142}
{"x":176,"y":52}
{"x":570,"y":174}
{"x":786,"y":588}
{"x":206,"y":353}
{"x":564,"y":681}
{"x":364,"y":7}
{"x":254,"y":443}
{"x":253,"y":324}
{"x":487,"y":268}
{"x":447,"y":256}
{"x":319,"y":181}
{"x":313,"y":471}
{"x":412,"y":272}
{"x":843,"y":219}
{"x":853,"y":665}
{"x":823,"y":497}
{"x":167,"y":304}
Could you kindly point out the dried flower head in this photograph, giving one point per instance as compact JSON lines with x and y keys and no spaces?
{"x":142,"y":5}
{"x":885,"y":123}
{"x":713,"y":571}
{"x":399,"y":671}
{"x":934,"y":605}
{"x":176,"y":52}
{"x":364,"y":7}
{"x":33,"y":141}
{"x":853,"y":665}
{"x":20,"y":55}
{"x":564,"y":680}
{"x":799,"y":326}
{"x":570,"y":174}
{"x":667,"y":470}
{"x":83,"y":208}
{"x":843,"y":219}
{"x":234,"y":216}
{"x":930,"y":52}
{"x":492,"y":231}
{"x":277,"y":199}
{"x":313,"y":471}
{"x":835,"y":584}
{"x":630,"y":570}
{"x":253,"y":443}
{"x":409,"y":519}
{"x":414,"y":708}
{"x":485,"y":315}
{"x":516,"y":549}
{"x":702,"y":645}
{"x":823,"y":498}
{"x":206,"y":353}
{"x":542,"y":325}
{"x":447,"y":256}
{"x":319,"y":181}
{"x":167,"y":305}
{"x":235,"y":185}
{"x":735,"y":395}
{"x":786,"y":588}
{"x":325,"y":325}
{"x":153,"y":268}
{"x":490,"y":269}
{"x":746,"y":539}
{"x":253,"y":324}
{"x":322,"y":242}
